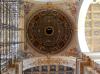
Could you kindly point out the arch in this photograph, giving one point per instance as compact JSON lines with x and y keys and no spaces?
{"x":33,"y":62}
{"x":81,"y":25}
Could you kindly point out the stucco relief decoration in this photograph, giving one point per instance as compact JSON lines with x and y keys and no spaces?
{"x":69,"y":61}
{"x":74,"y":7}
{"x":72,"y":52}
{"x":27,"y":7}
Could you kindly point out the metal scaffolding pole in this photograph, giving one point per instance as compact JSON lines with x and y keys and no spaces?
{"x":0,"y":37}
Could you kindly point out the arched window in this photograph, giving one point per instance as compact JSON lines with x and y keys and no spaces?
{"x":50,"y":69}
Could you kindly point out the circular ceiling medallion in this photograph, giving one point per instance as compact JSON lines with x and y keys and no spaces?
{"x":49,"y":31}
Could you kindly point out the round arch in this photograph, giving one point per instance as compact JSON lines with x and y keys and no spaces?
{"x":81,"y":25}
{"x":54,"y":60}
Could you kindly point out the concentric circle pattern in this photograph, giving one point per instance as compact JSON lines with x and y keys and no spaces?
{"x":49,"y":31}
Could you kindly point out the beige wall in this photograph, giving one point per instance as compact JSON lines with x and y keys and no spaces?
{"x":93,"y":27}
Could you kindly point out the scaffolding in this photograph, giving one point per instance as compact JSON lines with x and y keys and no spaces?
{"x":9,"y":32}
